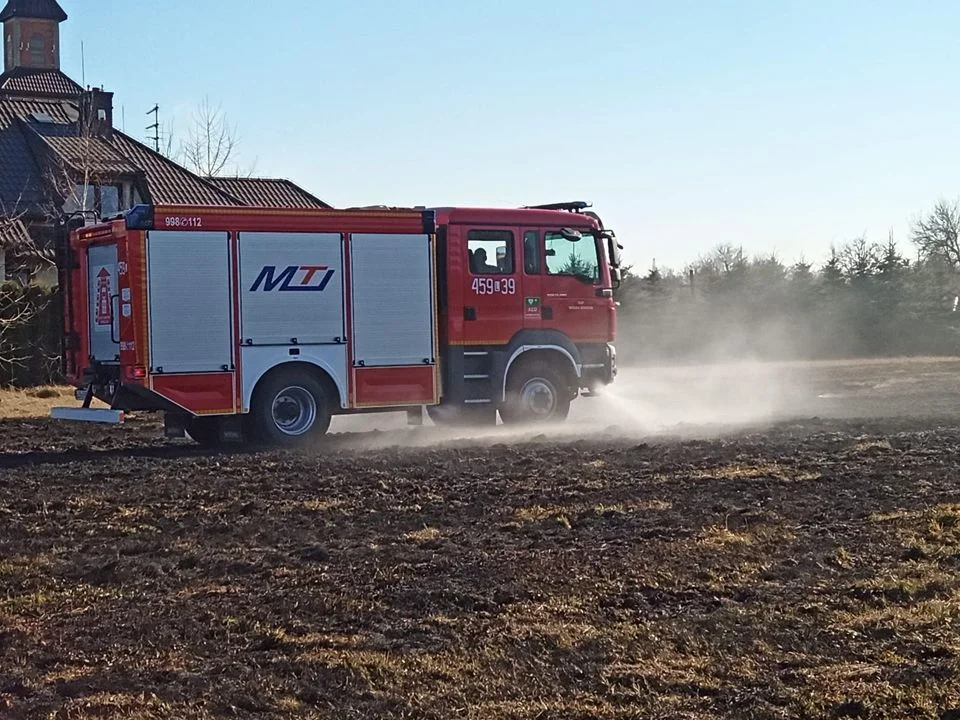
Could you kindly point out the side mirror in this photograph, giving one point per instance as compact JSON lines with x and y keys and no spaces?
{"x":615,"y":248}
{"x":616,"y":277}
{"x":551,"y":252}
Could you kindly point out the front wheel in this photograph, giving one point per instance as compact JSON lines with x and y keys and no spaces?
{"x":536,"y":393}
{"x":290,"y":408}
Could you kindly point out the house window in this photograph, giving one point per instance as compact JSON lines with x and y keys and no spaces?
{"x":38,"y":50}
{"x":109,"y":200}
{"x":82,"y":197}
{"x":104,"y":200}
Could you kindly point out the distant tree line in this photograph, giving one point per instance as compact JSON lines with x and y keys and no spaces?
{"x":867,"y":299}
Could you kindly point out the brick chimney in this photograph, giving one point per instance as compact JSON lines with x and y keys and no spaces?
{"x":31,"y":34}
{"x":96,"y":112}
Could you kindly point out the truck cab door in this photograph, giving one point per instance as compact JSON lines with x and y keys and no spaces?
{"x":577,"y":300}
{"x":493,"y":294}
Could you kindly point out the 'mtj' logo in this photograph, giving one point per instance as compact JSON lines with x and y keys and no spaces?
{"x":295,"y":278}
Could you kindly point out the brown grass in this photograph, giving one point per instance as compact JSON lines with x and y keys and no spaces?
{"x":34,"y":402}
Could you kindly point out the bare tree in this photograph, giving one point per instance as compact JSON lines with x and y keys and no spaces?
{"x":72,"y":175}
{"x":211,"y":144}
{"x":20,"y":306}
{"x":937,"y":235}
{"x":19,"y":309}
{"x":859,"y":259}
{"x":168,"y":142}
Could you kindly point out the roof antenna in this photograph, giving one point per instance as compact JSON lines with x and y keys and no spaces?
{"x":155,"y":127}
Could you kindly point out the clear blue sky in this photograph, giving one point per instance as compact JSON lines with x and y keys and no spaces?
{"x":779,"y":125}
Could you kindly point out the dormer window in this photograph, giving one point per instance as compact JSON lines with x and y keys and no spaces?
{"x":106,"y":200}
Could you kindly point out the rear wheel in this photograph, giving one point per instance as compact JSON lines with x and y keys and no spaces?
{"x":290,"y":408}
{"x":537,"y":392}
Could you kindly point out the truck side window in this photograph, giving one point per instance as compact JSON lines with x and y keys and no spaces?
{"x":490,"y":252}
{"x":531,"y":252}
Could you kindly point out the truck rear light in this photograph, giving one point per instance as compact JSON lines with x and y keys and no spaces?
{"x":137,"y":373}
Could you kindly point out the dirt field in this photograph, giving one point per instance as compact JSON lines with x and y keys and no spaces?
{"x":791,"y":551}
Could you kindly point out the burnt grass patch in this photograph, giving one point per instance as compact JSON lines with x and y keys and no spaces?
{"x":808,"y":571}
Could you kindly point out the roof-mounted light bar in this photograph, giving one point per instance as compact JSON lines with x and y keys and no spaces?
{"x":574,"y":206}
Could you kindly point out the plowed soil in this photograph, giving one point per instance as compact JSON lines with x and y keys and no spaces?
{"x":808,"y":569}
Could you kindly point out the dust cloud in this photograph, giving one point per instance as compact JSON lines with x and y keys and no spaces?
{"x":700,"y":400}
{"x":749,"y":376}
{"x":727,"y":395}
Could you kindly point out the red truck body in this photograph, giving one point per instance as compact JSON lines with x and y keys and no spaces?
{"x":245,"y":322}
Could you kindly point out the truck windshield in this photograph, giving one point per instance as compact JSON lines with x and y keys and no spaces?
{"x":577,"y":258}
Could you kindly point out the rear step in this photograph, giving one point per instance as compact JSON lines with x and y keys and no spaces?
{"x":106,"y":417}
{"x":476,"y":377}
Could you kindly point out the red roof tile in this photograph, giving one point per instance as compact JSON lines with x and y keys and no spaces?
{"x":167,"y":182}
{"x":79,"y":152}
{"x":38,"y":125}
{"x":269,"y":192}
{"x":39,"y":83}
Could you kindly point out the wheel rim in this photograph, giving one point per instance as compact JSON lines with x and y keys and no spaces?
{"x":538,"y":398}
{"x":294,"y":411}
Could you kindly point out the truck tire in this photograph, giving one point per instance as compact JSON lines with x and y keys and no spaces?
{"x":205,"y":431}
{"x":462,"y":415}
{"x":537,"y":392}
{"x":290,"y":408}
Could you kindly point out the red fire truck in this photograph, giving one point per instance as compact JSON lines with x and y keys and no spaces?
{"x":260,"y":324}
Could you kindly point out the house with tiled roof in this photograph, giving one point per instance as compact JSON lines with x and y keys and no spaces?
{"x":60,"y":152}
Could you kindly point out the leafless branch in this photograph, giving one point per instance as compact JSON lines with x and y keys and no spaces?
{"x":19,"y":306}
{"x":72,"y":180}
{"x":211,"y":144}
{"x":937,"y":235}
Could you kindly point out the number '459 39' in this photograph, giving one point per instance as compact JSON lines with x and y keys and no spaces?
{"x":494,"y":286}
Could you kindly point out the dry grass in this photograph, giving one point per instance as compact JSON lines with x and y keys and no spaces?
{"x":425,"y":534}
{"x":33,"y":402}
{"x":875,"y":445}
{"x":717,"y":535}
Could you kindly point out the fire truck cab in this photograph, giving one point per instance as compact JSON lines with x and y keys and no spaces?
{"x":261,"y":324}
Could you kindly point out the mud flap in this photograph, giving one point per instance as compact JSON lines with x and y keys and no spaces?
{"x":231,"y":429}
{"x":174,"y":426}
{"x":415,"y":416}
